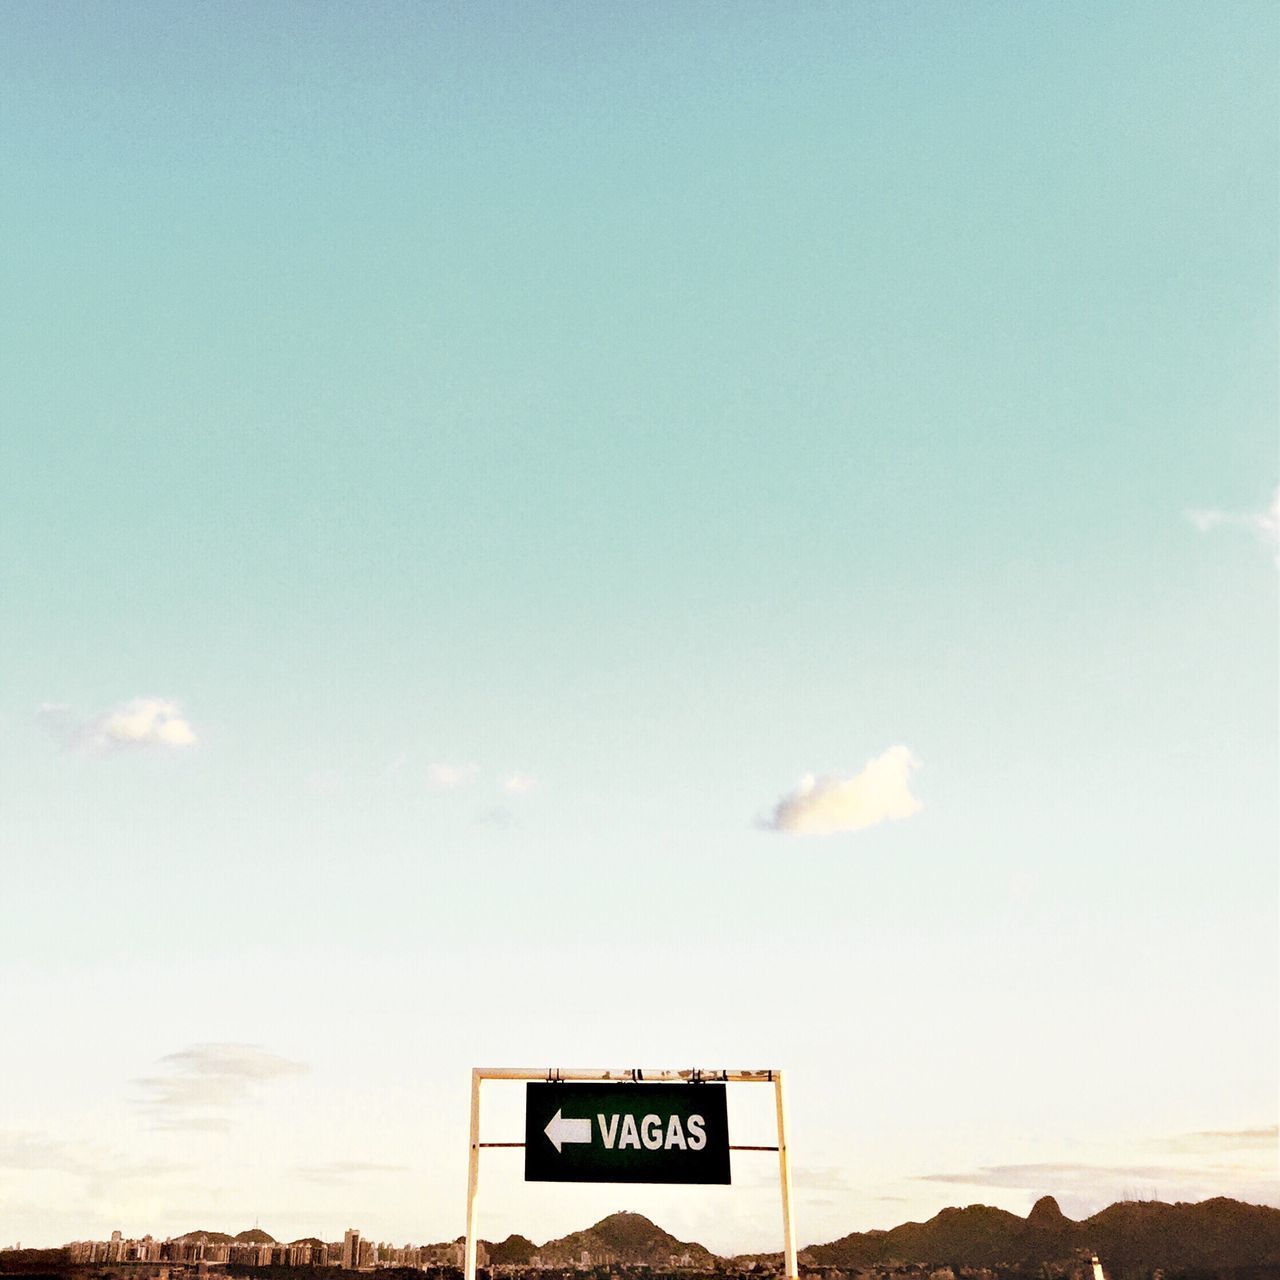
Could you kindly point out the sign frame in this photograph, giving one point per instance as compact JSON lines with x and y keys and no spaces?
{"x":629,"y":1076}
{"x":578,"y":1132}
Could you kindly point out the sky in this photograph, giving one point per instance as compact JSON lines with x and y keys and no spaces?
{"x":669,"y":535}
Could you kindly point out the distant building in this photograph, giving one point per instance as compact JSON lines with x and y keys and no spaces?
{"x":351,"y":1250}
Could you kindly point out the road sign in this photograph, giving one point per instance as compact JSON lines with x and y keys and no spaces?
{"x":626,"y":1133}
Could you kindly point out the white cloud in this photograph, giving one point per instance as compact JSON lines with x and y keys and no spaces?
{"x":825,"y":806}
{"x":203,"y":1083}
{"x":27,"y":1152}
{"x":1264,"y":525}
{"x":137,"y":724}
{"x":1212,"y":1140}
{"x":519,"y":784}
{"x":448,"y":777}
{"x":146,"y":722}
{"x":30,"y":1151}
{"x":1081,"y":1184}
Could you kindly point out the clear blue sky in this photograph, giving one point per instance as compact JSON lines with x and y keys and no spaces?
{"x":509,"y":447}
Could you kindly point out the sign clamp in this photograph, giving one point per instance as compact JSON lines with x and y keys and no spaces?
{"x":628,"y":1076}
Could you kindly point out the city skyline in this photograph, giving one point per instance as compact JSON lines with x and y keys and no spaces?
{"x":656,"y":536}
{"x":973,"y":1243}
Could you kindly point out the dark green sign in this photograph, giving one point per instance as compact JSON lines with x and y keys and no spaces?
{"x":626,"y":1133}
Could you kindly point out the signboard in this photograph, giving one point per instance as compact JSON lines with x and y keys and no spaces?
{"x":626,"y":1133}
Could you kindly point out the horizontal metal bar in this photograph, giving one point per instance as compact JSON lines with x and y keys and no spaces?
{"x":733,"y":1147}
{"x":625,"y":1075}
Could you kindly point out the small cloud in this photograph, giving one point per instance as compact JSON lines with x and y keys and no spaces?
{"x":137,"y":724}
{"x":232,"y":1061}
{"x":1031,"y":1177}
{"x":1264,"y":525}
{"x":825,"y":806}
{"x":448,"y":777}
{"x":1083,"y":1183}
{"x":1265,"y":1139}
{"x":207,"y":1081}
{"x":30,"y":1151}
{"x":519,"y":784}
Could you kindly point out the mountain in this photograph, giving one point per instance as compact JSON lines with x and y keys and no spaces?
{"x":255,"y":1235}
{"x":977,"y":1236}
{"x":623,"y":1238}
{"x":1213,"y":1233}
{"x":513,"y":1251}
{"x":1046,"y":1216}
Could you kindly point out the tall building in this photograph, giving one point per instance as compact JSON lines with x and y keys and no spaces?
{"x":351,"y":1250}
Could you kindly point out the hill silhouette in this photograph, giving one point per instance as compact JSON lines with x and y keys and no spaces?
{"x":624,"y":1238}
{"x":1149,"y":1233}
{"x":1212,"y":1233}
{"x":1046,"y":1216}
{"x":255,"y":1235}
{"x":513,"y":1251}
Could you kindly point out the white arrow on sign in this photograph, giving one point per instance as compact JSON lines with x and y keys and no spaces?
{"x":560,"y":1130}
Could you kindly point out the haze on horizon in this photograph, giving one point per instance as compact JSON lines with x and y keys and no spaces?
{"x":671,"y":535}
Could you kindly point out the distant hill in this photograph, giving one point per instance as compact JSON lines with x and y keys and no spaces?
{"x":48,"y":1264}
{"x":513,"y":1251}
{"x":1213,"y":1233}
{"x":1046,"y":1216}
{"x":255,"y":1235}
{"x":625,"y":1238}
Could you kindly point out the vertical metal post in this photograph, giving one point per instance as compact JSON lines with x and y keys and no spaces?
{"x":784,"y":1174}
{"x":473,"y":1179}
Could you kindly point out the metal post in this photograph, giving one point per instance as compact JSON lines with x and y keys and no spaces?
{"x":784,"y":1173}
{"x":473,"y":1179}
